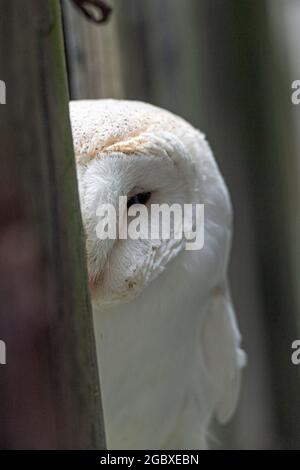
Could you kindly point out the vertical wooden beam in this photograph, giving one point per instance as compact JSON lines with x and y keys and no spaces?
{"x":93,"y":53}
{"x":49,"y":388}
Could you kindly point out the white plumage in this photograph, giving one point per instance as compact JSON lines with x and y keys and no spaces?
{"x":167,"y":338}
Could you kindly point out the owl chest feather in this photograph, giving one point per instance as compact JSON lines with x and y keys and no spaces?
{"x":149,"y":350}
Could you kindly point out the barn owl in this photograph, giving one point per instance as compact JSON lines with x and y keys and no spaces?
{"x":167,"y":339}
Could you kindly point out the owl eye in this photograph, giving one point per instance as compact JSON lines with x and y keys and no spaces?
{"x":140,"y":198}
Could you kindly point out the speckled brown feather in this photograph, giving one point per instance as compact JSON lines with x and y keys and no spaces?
{"x":111,"y":126}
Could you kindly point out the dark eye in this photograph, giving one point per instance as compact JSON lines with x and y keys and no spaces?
{"x":140,"y":198}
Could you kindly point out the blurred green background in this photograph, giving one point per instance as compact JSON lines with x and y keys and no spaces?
{"x":226,"y":66}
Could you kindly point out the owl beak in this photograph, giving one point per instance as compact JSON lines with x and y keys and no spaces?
{"x":93,"y":282}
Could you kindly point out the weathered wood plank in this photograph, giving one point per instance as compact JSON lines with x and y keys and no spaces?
{"x":49,"y":388}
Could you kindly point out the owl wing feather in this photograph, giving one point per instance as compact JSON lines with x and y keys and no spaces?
{"x":222,"y":355}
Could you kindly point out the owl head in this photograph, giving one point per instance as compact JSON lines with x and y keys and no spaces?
{"x":152,"y":157}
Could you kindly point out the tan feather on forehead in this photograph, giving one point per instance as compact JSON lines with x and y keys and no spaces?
{"x":110,"y":126}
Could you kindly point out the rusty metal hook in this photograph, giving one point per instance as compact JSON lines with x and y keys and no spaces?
{"x":100,"y":6}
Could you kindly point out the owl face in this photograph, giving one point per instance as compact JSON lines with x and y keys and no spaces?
{"x":135,"y":150}
{"x":120,"y":268}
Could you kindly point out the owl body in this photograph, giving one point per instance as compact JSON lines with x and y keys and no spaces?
{"x":167,"y":339}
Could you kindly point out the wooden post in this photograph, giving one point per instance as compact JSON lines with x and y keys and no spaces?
{"x":93,"y":53}
{"x":49,"y":387}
